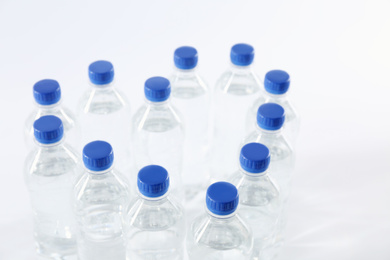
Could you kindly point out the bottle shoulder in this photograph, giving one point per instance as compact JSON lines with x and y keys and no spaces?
{"x":240,"y":82}
{"x":102,"y":101}
{"x":157,"y":118}
{"x":188,"y":85}
{"x":208,"y":231}
{"x":153,"y":215}
{"x":104,"y":188}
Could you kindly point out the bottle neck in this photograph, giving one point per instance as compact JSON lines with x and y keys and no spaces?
{"x":240,"y":68}
{"x":49,"y":107}
{"x":158,"y":104}
{"x":269,"y":132}
{"x":254,"y":175}
{"x":217,"y":217}
{"x":154,"y":200}
{"x":186,"y":73}
{"x":279,"y":97}
{"x":103,"y":87}
{"x":52,"y":145}
{"x":99,"y":173}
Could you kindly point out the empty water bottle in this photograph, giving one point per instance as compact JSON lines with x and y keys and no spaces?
{"x":191,"y":96}
{"x":260,"y":204}
{"x":220,"y":233}
{"x":276,"y":84}
{"x":155,"y":221}
{"x":158,"y":133}
{"x":101,"y":196}
{"x":47,"y":95}
{"x":235,"y":90}
{"x":104,"y":113}
{"x":50,"y":170}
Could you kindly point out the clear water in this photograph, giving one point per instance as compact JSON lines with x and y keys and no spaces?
{"x":158,"y":138}
{"x":49,"y":174}
{"x":191,"y":96}
{"x":292,"y":120}
{"x":71,"y":126}
{"x":100,"y":201}
{"x":104,"y":114}
{"x":235,"y":91}
{"x":260,"y":207}
{"x":155,"y":230}
{"x":214,"y":237}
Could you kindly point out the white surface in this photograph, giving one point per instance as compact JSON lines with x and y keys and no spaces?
{"x":337,"y":53}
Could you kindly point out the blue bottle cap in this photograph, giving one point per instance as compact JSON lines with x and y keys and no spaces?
{"x":101,"y":72}
{"x":254,"y":158}
{"x":153,"y":181}
{"x":186,"y":57}
{"x":157,"y":89}
{"x":48,"y":129}
{"x":242,"y":54}
{"x":47,"y":92}
{"x":270,"y":116}
{"x":222,"y":198}
{"x":98,"y":156}
{"x":277,"y":82}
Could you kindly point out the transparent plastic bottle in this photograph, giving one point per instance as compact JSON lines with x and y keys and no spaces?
{"x":270,"y":119}
{"x":47,"y":96}
{"x":276,"y":85}
{"x":260,"y":204}
{"x":104,"y":113}
{"x":220,"y":233}
{"x":235,"y":90}
{"x":191,"y":96}
{"x":49,"y":173}
{"x":269,"y":131}
{"x":101,"y":196}
{"x":158,"y":133}
{"x":155,"y":222}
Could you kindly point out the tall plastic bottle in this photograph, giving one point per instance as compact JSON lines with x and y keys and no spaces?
{"x":47,"y":96}
{"x":49,"y":173}
{"x":260,"y":204}
{"x":155,"y":221}
{"x":158,"y":133}
{"x":104,"y":113}
{"x":101,"y":196}
{"x":220,"y":233}
{"x":276,"y":85}
{"x":191,"y":95}
{"x":270,"y":119}
{"x":235,"y":90}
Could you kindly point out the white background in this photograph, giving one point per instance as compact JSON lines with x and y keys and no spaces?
{"x":338,"y":56}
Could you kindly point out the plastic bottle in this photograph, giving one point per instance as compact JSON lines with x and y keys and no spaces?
{"x":104,"y":113}
{"x":276,"y":85}
{"x":155,"y":222}
{"x":235,"y":90}
{"x":101,"y":196}
{"x":220,"y":233}
{"x":191,"y":95}
{"x":260,"y":204}
{"x":269,"y":131}
{"x":49,"y":173}
{"x":270,"y":119}
{"x":158,"y":133}
{"x":47,"y":96}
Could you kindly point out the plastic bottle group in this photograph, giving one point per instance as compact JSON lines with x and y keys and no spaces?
{"x":126,"y":197}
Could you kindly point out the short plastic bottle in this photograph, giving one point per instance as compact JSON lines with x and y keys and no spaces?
{"x":191,"y":95}
{"x":220,"y":233}
{"x":155,"y":221}
{"x":235,"y":90}
{"x":270,"y":132}
{"x":158,"y":133}
{"x":104,"y":113}
{"x":260,"y":204}
{"x":49,"y":174}
{"x":276,"y":85}
{"x":101,"y":195}
{"x":48,"y":101}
